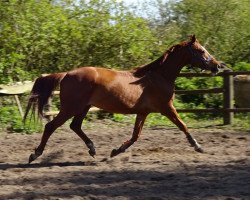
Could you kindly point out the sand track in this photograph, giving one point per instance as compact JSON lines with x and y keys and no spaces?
{"x":161,"y":165}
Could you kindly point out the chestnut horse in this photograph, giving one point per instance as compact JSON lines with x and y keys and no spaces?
{"x":140,"y":91}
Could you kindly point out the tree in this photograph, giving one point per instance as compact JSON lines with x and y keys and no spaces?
{"x":50,"y":36}
{"x":223,"y":26}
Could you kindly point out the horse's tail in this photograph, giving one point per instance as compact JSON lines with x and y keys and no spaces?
{"x":41,"y":91}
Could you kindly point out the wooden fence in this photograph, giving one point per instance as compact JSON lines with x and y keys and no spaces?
{"x":228,"y":95}
{"x":227,"y":91}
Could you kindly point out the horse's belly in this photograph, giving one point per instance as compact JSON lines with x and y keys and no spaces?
{"x":123,"y":109}
{"x":117,"y":102}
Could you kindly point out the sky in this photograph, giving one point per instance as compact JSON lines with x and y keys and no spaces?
{"x":135,"y":2}
{"x":139,"y":6}
{"x":131,"y":1}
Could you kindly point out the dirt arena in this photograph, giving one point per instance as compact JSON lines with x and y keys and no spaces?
{"x":161,"y":165}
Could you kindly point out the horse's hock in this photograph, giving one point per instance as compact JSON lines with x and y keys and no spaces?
{"x":242,"y":91}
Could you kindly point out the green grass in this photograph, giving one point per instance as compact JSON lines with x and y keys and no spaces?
{"x":11,"y":120}
{"x":240,"y":122}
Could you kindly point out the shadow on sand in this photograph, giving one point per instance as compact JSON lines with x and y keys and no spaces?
{"x":6,"y":166}
{"x":200,"y":182}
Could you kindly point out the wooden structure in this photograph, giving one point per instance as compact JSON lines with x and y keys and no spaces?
{"x":227,"y":90}
{"x":15,"y":90}
{"x":228,"y":95}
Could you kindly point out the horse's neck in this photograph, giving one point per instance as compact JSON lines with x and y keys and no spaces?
{"x":171,"y":67}
{"x":170,"y":70}
{"x":146,"y":69}
{"x":168,"y":66}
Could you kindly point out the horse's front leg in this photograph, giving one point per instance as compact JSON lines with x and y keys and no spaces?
{"x":172,"y":114}
{"x":140,"y":119}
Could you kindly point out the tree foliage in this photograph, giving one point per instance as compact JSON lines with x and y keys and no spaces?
{"x":47,"y":36}
{"x":58,"y":35}
{"x":223,"y":26}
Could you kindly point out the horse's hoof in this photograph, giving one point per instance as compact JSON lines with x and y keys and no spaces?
{"x":32,"y":157}
{"x":92,"y":153}
{"x":114,"y":152}
{"x":200,"y":150}
{"x":91,"y":149}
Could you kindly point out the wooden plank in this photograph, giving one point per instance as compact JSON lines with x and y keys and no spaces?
{"x":195,"y":75}
{"x":237,"y":109}
{"x":189,"y":74}
{"x":56,"y":92}
{"x":201,"y":91}
{"x":53,"y":113}
{"x":195,"y":110}
{"x":198,"y":110}
{"x":16,"y":89}
{"x":234,"y":73}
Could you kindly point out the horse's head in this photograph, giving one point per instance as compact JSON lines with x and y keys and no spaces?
{"x":201,"y":58}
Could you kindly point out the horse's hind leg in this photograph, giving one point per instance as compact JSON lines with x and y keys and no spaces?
{"x":174,"y":117}
{"x":50,"y":127}
{"x":140,"y":119}
{"x":76,"y":127}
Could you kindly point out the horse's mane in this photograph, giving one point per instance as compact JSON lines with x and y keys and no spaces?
{"x":142,"y":70}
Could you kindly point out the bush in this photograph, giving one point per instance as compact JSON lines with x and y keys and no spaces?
{"x":11,"y":120}
{"x":242,"y":66}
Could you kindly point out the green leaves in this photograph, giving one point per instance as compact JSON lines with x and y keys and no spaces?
{"x":221,"y":25}
{"x":51,"y":36}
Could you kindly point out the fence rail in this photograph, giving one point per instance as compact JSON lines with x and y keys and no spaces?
{"x":228,"y":109}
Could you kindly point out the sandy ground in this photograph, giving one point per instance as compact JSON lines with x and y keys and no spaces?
{"x":161,"y":165}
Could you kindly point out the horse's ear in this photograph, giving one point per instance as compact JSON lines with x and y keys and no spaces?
{"x":192,"y":39}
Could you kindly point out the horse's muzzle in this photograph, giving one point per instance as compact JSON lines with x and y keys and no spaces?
{"x":215,"y":70}
{"x":220,"y":67}
{"x":223,"y":67}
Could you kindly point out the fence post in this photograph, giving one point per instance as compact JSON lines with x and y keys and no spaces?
{"x":48,"y":109}
{"x":228,"y":98}
{"x":19,"y":105}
